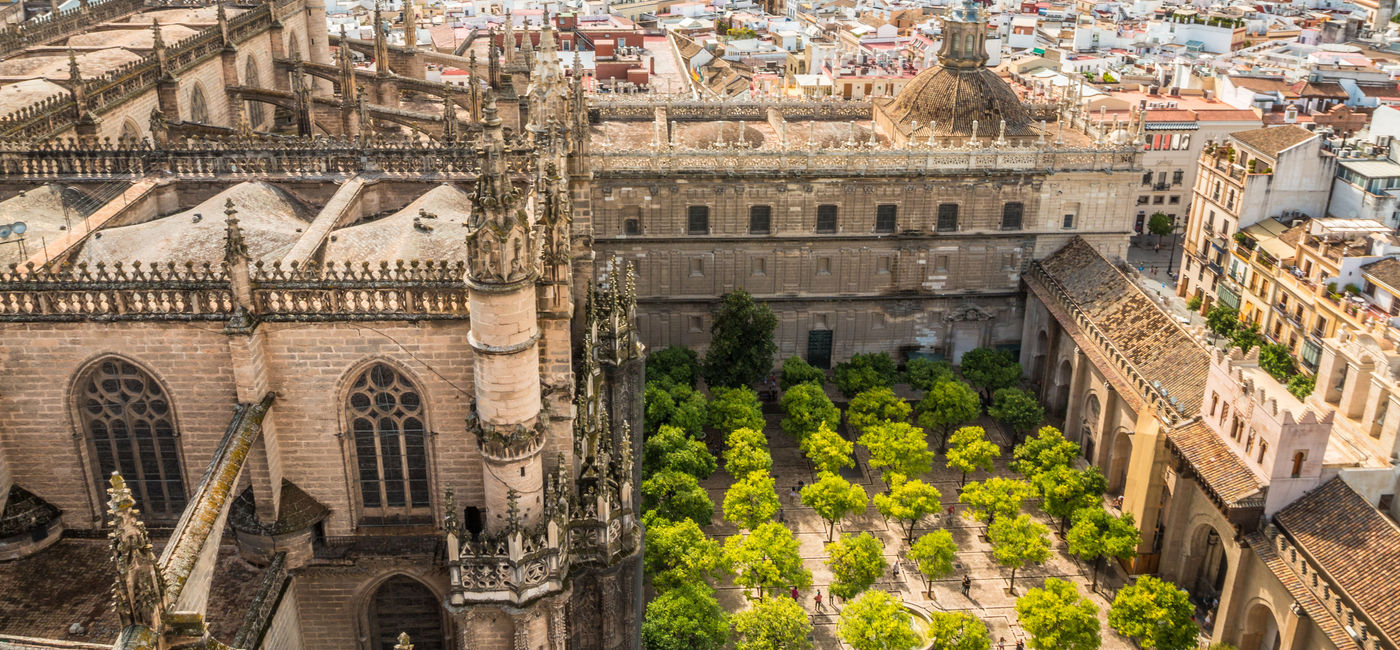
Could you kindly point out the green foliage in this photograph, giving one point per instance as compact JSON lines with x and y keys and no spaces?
{"x":675,"y":496}
{"x":1275,"y":359}
{"x":1018,"y":542}
{"x":740,"y":33}
{"x":947,"y":406}
{"x":1246,"y":337}
{"x":671,"y":448}
{"x":772,"y":624}
{"x":1160,"y":225}
{"x":864,"y":372}
{"x":1065,"y":491}
{"x":1154,"y":613}
{"x":1223,"y":645}
{"x":685,"y":618}
{"x":994,"y":498}
{"x":833,"y":497}
{"x":674,"y":404}
{"x":741,"y":342}
{"x":808,"y":408}
{"x":735,"y":408}
{"x":1058,"y":618}
{"x":969,"y":451}
{"x":856,"y":562}
{"x":958,"y":631}
{"x":1016,"y":410}
{"x":678,"y":553}
{"x":934,"y":554}
{"x":924,"y":373}
{"x":876,"y":406}
{"x":1222,"y":320}
{"x":989,"y":370}
{"x":827,"y":450}
{"x":751,"y":501}
{"x":1193,"y":303}
{"x":1096,"y":534}
{"x":876,"y":620}
{"x":796,"y":371}
{"x":908,"y":501}
{"x":1045,"y":451}
{"x":678,"y":364}
{"x":766,"y":559}
{"x":746,"y":451}
{"x":897,"y":448}
{"x":1301,"y":385}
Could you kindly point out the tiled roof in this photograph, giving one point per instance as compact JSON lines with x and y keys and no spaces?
{"x":1297,"y":588}
{"x":1222,"y":472}
{"x":1163,"y":115}
{"x":1149,"y":339}
{"x":1272,"y":140}
{"x":1225,"y":115}
{"x":1354,"y":545}
{"x":1386,"y":270}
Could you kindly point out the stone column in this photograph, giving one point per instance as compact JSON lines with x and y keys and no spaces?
{"x":1355,"y":391}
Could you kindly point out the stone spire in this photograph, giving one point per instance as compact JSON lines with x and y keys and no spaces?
{"x":381,"y":43}
{"x":450,"y":129}
{"x":236,"y":260}
{"x":223,"y":26}
{"x":509,"y":43}
{"x":158,"y":50}
{"x":138,"y":593}
{"x":410,"y":25}
{"x":502,"y":243}
{"x":493,"y":62}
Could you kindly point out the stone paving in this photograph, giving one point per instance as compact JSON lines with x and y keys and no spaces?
{"x":988,"y":599}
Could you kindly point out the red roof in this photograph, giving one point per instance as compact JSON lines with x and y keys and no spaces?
{"x":1225,"y":115}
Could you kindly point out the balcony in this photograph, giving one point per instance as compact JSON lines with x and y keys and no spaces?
{"x":1215,"y":268}
{"x":1161,"y":187}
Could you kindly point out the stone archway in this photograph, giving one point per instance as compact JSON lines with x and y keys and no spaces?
{"x":1089,"y":426}
{"x":1038,"y":360}
{"x":1059,"y":395}
{"x":1206,"y":566}
{"x":1119,"y":455}
{"x":402,"y":604}
{"x":1261,"y":629}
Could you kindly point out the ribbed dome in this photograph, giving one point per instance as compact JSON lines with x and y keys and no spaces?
{"x":953,"y":98}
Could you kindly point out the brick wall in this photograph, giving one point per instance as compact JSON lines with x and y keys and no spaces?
{"x":284,"y":632}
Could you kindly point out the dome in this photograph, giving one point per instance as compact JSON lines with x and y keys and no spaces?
{"x":951,"y":98}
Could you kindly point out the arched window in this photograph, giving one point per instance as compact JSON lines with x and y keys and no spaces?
{"x":1298,"y":458}
{"x":199,"y":107}
{"x":131,"y":134}
{"x":404,"y":605}
{"x":250,"y":79}
{"x":129,"y":427}
{"x":384,"y":411}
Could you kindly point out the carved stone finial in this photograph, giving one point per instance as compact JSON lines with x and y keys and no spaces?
{"x":513,"y":509}
{"x":403,"y":642}
{"x":235,"y":249}
{"x":138,"y":592}
{"x":74,"y":74}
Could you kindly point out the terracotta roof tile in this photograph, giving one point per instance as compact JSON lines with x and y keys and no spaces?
{"x":1353,"y":545}
{"x":1272,"y":140}
{"x":1222,"y":472}
{"x":1386,"y":270}
{"x":1297,"y":588}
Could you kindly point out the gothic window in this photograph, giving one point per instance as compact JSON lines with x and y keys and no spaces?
{"x":1011,"y":216}
{"x":404,"y":605}
{"x":760,"y":219}
{"x":1298,"y":457}
{"x":384,"y":411}
{"x":199,"y":107}
{"x":947,"y":217}
{"x":698,"y":220}
{"x":826,"y":218}
{"x":250,"y":79}
{"x":885,"y":217}
{"x":130,"y":132}
{"x":129,"y":427}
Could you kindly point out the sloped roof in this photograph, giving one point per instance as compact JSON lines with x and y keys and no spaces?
{"x":951,"y":99}
{"x":432,"y":227}
{"x":1222,"y":472}
{"x":1386,"y":270}
{"x":1273,"y":140}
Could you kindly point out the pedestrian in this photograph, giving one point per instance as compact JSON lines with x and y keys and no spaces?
{"x":950,"y":513}
{"x":818,"y":598}
{"x":781,"y":518}
{"x":896,"y":570}
{"x":1001,"y":643}
{"x":792,"y":494}
{"x":794,"y":593}
{"x":1209,"y":619}
{"x":1020,"y":645}
{"x":966,"y":584}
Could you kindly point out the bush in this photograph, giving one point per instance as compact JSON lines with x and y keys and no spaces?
{"x":808,"y":408}
{"x":864,"y":372}
{"x":796,"y":371}
{"x":681,"y":365}
{"x":1277,"y":360}
{"x":875,"y":406}
{"x":677,"y":405}
{"x":1301,"y":386}
{"x":924,"y":373}
{"x":1193,"y":303}
{"x":735,"y":408}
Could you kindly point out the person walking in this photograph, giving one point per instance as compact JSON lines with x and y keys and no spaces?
{"x":966,"y":584}
{"x":818,"y":599}
{"x":1001,"y":643}
{"x":794,"y":594}
{"x":1020,"y":645}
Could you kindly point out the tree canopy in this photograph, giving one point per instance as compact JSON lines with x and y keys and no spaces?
{"x":989,"y":370}
{"x":675,"y":496}
{"x":1277,"y":360}
{"x":876,"y":620}
{"x":772,"y":624}
{"x":897,"y":448}
{"x":746,"y":451}
{"x":947,"y":406}
{"x":1044,"y":451}
{"x":796,"y":371}
{"x":679,"y":364}
{"x":1156,"y":614}
{"x":735,"y":408}
{"x":994,"y":498}
{"x":969,"y":450}
{"x":1016,"y":410}
{"x":1064,"y":491}
{"x":676,"y":405}
{"x":1222,"y":320}
{"x":924,"y":373}
{"x":751,"y":501}
{"x":741,"y":342}
{"x":1097,"y":534}
{"x":1017,"y":543}
{"x":856,"y":562}
{"x":685,"y":618}
{"x":907,"y":502}
{"x":958,"y":631}
{"x":934,"y":554}
{"x":679,"y":553}
{"x":671,"y":448}
{"x":828,"y":451}
{"x":876,"y":406}
{"x":864,"y":372}
{"x":766,"y":559}
{"x":1058,"y":618}
{"x":833,"y":497}
{"x":1160,"y":225}
{"x":808,"y":408}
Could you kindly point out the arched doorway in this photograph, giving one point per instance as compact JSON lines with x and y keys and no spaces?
{"x":404,"y":605}
{"x":1120,"y":454}
{"x":1059,"y":400}
{"x":1089,"y":426}
{"x":1042,"y":348}
{"x":1261,"y":631}
{"x":1207,"y":565}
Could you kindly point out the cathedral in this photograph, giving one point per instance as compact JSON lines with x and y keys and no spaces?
{"x":300,"y":354}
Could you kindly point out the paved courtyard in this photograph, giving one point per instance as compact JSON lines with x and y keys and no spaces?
{"x":989,"y":599}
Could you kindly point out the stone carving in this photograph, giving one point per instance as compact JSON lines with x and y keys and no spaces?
{"x":139,"y":591}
